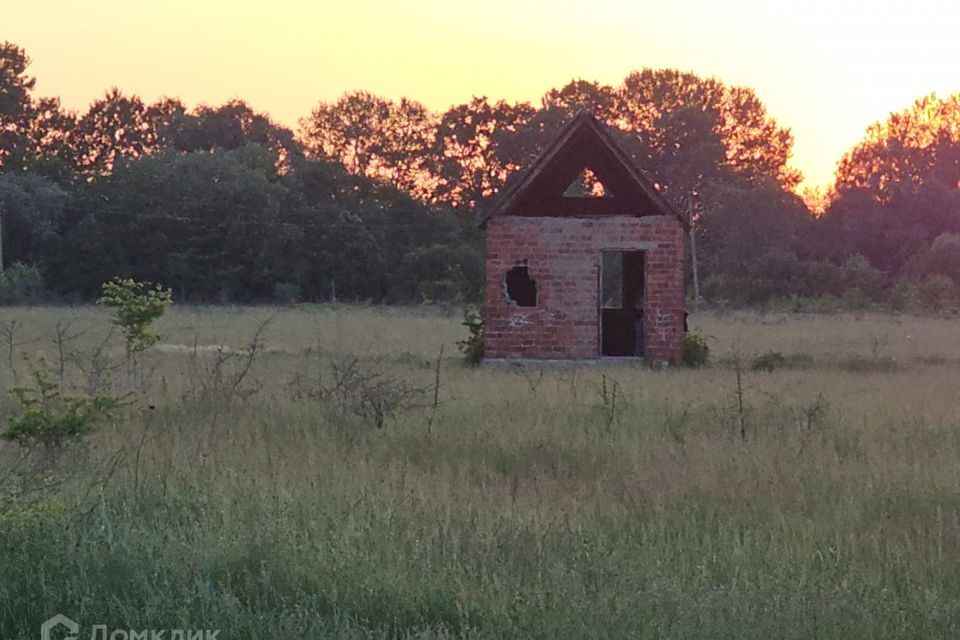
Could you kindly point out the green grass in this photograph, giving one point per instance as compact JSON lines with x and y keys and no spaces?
{"x":527,"y":505}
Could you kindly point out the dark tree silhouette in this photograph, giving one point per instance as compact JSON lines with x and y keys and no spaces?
{"x":374,"y":137}
{"x":911,"y":147}
{"x":15,"y":108}
{"x":465,"y":154}
{"x":114,"y":127}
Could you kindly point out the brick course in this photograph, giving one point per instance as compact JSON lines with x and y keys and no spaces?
{"x":562,"y":255}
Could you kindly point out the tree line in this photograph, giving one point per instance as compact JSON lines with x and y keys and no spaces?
{"x":374,"y":199}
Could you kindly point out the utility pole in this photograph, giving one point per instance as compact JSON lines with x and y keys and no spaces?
{"x":691,"y":209}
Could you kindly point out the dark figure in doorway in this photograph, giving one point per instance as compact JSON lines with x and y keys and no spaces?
{"x":638,"y":330}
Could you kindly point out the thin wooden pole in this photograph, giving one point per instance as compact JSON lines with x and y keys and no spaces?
{"x":693,"y":256}
{"x":696,"y":275}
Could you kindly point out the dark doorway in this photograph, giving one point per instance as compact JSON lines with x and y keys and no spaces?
{"x":621,"y":303}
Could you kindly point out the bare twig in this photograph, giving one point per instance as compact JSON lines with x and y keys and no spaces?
{"x":366,"y":391}
{"x":97,"y":366}
{"x":532,"y":381}
{"x":608,"y":393}
{"x":436,"y":390}
{"x":253,"y":348}
{"x":226,"y":375}
{"x":738,"y":369}
{"x":8,"y":334}
{"x":62,"y":339}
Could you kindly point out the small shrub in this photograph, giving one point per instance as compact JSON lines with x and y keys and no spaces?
{"x":30,"y":518}
{"x":368,"y":392}
{"x":813,"y":414}
{"x":906,"y":296}
{"x":696,"y":352}
{"x":799,"y":361}
{"x":933,"y":293}
{"x":855,"y":300}
{"x":772,"y":360}
{"x":135,"y":306}
{"x":857,"y":363}
{"x":860,"y":276}
{"x":768,"y":361}
{"x":20,"y":283}
{"x":51,"y":420}
{"x":286,"y":293}
{"x":227,"y":375}
{"x":826,"y":304}
{"x":942,"y":258}
{"x":472,"y":347}
{"x":412,"y":360}
{"x":437,"y":291}
{"x":937,"y":293}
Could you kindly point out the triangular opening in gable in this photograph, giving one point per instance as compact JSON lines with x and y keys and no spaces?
{"x":587,"y":185}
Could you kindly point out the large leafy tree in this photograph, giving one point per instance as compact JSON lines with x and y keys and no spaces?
{"x":468,"y":153}
{"x":362,"y":238}
{"x":199,"y":222}
{"x":15,"y":84}
{"x":15,"y":111}
{"x":228,"y":225}
{"x":48,"y":136}
{"x":914,"y":146}
{"x":755,"y":243}
{"x":221,"y":200}
{"x":229,"y":126}
{"x":578,"y":95}
{"x":683,"y":152}
{"x":686,"y":132}
{"x":675,"y":112}
{"x":517,"y":144}
{"x":170,"y":119}
{"x":374,"y":137}
{"x":941,"y":259}
{"x":35,"y":133}
{"x":889,"y":232}
{"x":899,"y":188}
{"x":33,"y":214}
{"x":348,"y":130}
{"x":114,"y":127}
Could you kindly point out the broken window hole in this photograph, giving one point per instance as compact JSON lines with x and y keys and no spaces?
{"x":521,"y":288}
{"x":587,"y":185}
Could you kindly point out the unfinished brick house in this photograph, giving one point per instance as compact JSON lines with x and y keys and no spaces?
{"x":584,"y":258}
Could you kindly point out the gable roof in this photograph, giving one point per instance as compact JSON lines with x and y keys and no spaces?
{"x":584,"y":143}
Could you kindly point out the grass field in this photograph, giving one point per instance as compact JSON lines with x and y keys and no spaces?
{"x":256,"y":495}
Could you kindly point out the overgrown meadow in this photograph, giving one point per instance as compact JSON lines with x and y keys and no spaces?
{"x":336,"y":472}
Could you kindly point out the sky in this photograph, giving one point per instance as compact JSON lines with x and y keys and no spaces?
{"x":826,"y":70}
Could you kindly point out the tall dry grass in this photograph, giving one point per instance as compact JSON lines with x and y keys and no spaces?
{"x":576,"y":502}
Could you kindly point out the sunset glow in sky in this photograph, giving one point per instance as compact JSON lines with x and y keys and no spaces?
{"x":824,"y":69}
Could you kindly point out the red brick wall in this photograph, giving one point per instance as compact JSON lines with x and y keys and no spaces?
{"x":563,"y":257}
